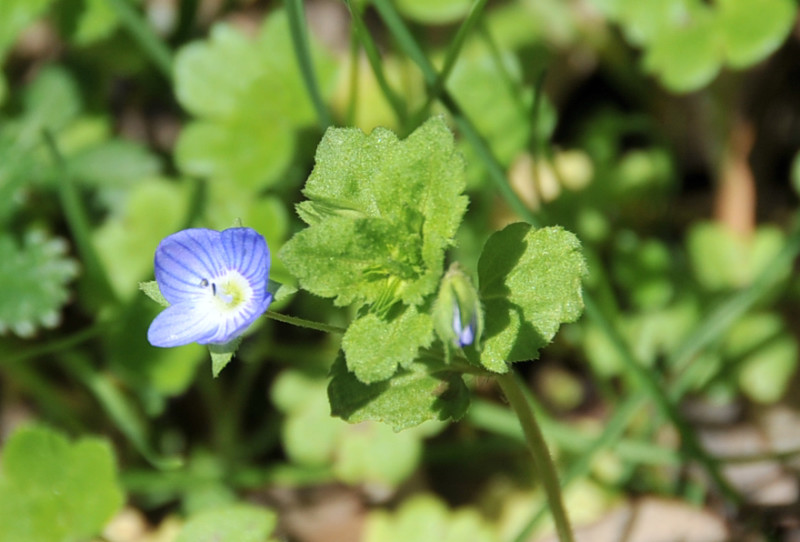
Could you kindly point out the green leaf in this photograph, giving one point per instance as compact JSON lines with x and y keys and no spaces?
{"x":424,"y":518}
{"x":381,"y":214}
{"x":221,"y":354}
{"x":151,"y":290}
{"x":530,"y":283}
{"x":374,"y":346}
{"x":489,"y":90}
{"x":722,"y":259}
{"x":97,"y":21}
{"x":413,"y":395}
{"x":237,"y":523}
{"x":34,"y":278}
{"x":52,"y":100}
{"x":364,"y":453}
{"x":126,"y":241}
{"x":687,"y":55}
{"x":113,"y":163}
{"x":751,"y":31}
{"x":52,"y":490}
{"x":250,"y":101}
{"x":766,"y":355}
{"x":16,"y":16}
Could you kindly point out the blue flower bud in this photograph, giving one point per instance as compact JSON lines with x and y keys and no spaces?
{"x":458,"y":316}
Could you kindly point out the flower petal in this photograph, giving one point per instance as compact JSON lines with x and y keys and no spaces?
{"x":246,"y":251}
{"x":182,"y":323}
{"x":184,"y":259}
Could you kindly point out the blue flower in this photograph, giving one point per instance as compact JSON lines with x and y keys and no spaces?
{"x":464,"y":335}
{"x":215,"y":283}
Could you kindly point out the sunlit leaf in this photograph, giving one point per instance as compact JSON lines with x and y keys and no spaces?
{"x":52,"y":490}
{"x":412,"y":396}
{"x":381,"y":214}
{"x":237,"y":522}
{"x":530,"y":284}
{"x":249,"y":100}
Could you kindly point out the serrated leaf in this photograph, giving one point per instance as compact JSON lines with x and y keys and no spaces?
{"x":753,"y":30}
{"x":52,"y":490}
{"x":530,"y":284}
{"x":413,"y":395}
{"x":375,"y":346}
{"x":384,"y":211}
{"x":34,"y":278}
{"x":238,"y":522}
{"x":250,"y":100}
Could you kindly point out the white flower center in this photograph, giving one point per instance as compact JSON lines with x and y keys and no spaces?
{"x":229,"y":292}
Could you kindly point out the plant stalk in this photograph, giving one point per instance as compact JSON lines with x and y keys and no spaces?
{"x":541,"y":455}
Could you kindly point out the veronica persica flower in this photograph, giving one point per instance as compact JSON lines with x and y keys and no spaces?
{"x":215,"y":283}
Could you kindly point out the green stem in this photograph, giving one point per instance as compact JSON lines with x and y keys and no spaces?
{"x":645,"y":379}
{"x":299,"y":32}
{"x":467,"y":128}
{"x":541,"y":455}
{"x":611,"y":436}
{"x":117,"y":406}
{"x":144,"y":34}
{"x":77,"y":219}
{"x":376,"y":63}
{"x":302,"y":322}
{"x":453,"y":52}
{"x":724,"y":315}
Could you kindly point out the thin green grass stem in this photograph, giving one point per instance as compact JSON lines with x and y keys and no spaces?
{"x":117,"y":406}
{"x":542,"y":461}
{"x":467,"y":128}
{"x":78,"y":221}
{"x":453,"y":52}
{"x":719,"y":320}
{"x":646,"y":381}
{"x":355,"y":69}
{"x":299,"y":32}
{"x":397,"y":104}
{"x":144,"y":35}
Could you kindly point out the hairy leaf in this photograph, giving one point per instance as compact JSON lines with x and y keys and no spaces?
{"x":412,"y":396}
{"x":381,"y":213}
{"x":375,"y":346}
{"x":530,"y":284}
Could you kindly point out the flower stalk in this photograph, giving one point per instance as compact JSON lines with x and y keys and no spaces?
{"x":542,"y":461}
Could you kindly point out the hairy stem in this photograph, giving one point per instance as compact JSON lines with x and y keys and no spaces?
{"x":541,"y":455}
